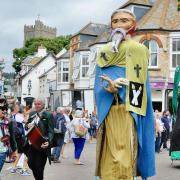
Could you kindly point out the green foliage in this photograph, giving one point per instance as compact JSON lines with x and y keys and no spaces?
{"x":54,"y":45}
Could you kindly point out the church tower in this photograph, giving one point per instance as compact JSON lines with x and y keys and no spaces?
{"x":38,"y":30}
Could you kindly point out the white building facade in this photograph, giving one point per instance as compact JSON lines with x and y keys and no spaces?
{"x":47,"y":84}
{"x":30,"y":81}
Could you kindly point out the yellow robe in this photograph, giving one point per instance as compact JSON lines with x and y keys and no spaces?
{"x":117,"y":146}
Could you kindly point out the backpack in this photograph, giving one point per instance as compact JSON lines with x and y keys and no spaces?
{"x":61,"y":125}
{"x":59,"y":129}
{"x":18,"y":128}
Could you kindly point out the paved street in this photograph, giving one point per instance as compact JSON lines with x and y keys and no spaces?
{"x":67,"y":171}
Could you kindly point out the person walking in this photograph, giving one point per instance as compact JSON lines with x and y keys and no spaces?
{"x":158,"y":131}
{"x":18,"y":121}
{"x":93,"y":126}
{"x":6,"y":134}
{"x":67,"y":133}
{"x":78,"y":140}
{"x":60,"y":130}
{"x":37,"y":157}
{"x":165,"y":133}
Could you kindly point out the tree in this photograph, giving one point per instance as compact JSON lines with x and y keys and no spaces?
{"x":54,"y":45}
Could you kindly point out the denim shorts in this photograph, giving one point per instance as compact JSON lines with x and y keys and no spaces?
{"x":2,"y":159}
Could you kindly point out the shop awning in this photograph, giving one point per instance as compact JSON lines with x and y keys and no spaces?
{"x":159,"y":85}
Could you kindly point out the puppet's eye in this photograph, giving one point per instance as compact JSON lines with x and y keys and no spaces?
{"x":114,"y":20}
{"x":124,"y":20}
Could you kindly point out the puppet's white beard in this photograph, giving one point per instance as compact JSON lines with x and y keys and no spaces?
{"x":117,"y":36}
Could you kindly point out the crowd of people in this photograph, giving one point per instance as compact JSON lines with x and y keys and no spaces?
{"x":62,"y":125}
{"x":57,"y":128}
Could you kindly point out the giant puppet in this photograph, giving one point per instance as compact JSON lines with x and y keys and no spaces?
{"x":175,"y":135}
{"x":125,"y":145}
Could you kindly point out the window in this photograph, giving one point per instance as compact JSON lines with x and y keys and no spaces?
{"x":63,"y":71}
{"x":59,"y":71}
{"x":92,"y":61}
{"x":84,"y":66}
{"x":153,"y":50}
{"x":140,"y":12}
{"x":76,"y":68}
{"x":175,"y":52}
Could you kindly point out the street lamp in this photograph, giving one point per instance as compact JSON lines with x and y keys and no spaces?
{"x":50,"y":94}
{"x":29,"y":86}
{"x":50,"y":90}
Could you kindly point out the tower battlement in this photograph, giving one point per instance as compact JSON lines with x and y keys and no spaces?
{"x":38,"y":30}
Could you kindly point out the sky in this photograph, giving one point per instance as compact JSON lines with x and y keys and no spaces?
{"x":68,"y":16}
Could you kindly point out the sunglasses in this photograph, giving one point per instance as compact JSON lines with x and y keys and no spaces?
{"x":3,"y":108}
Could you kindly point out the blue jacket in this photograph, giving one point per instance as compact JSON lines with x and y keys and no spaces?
{"x":166,"y":122}
{"x":144,"y":124}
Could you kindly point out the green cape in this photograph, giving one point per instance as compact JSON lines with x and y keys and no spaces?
{"x":175,"y":91}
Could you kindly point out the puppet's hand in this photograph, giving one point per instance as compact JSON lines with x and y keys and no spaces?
{"x":121,"y":81}
{"x":111,"y":86}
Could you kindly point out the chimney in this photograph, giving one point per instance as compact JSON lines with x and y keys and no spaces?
{"x":42,"y":51}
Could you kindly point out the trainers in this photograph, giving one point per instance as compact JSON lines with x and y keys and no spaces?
{"x":57,"y":161}
{"x":25,"y":173}
{"x":13,"y":170}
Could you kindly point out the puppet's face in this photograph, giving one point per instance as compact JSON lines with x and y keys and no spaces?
{"x":122,"y":20}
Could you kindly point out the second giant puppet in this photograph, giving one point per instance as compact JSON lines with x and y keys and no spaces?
{"x":175,"y":135}
{"x":125,"y":146}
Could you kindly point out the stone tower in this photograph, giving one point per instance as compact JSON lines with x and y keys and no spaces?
{"x":39,"y":30}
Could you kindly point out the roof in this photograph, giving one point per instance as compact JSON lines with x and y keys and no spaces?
{"x":31,"y":60}
{"x":163,"y":15}
{"x":50,"y":53}
{"x":65,"y":55}
{"x":27,"y":59}
{"x":47,"y":71}
{"x":62,"y":51}
{"x":84,"y":46}
{"x":137,"y":2}
{"x":103,"y":38}
{"x":92,"y":29}
{"x":35,"y":60}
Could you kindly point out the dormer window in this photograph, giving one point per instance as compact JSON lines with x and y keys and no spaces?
{"x":152,"y":1}
{"x":140,"y":11}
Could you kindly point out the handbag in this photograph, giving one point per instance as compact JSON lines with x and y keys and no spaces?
{"x":80,"y":130}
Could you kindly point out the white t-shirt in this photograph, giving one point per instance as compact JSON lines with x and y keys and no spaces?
{"x":68,"y":121}
{"x":160,"y":124}
{"x":19,"y":118}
